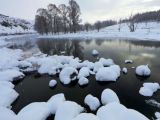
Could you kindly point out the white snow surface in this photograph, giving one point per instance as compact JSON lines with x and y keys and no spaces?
{"x":109,"y":96}
{"x":125,"y":70}
{"x":108,"y":73}
{"x":52,"y":83}
{"x":143,"y":70}
{"x":84,"y":72}
{"x":65,"y":75}
{"x":95,"y":52}
{"x":149,"y":31}
{"x":116,"y":111}
{"x":68,"y":110}
{"x":148,"y":89}
{"x":83,"y":81}
{"x":92,"y":102}
{"x":106,"y":62}
{"x":86,"y":116}
{"x":157,"y":114}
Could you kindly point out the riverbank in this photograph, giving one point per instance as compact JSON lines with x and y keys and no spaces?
{"x":144,"y":31}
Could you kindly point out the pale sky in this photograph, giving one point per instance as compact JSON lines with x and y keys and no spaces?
{"x":92,"y":10}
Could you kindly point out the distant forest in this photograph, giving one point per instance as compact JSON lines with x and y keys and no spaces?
{"x":66,"y":18}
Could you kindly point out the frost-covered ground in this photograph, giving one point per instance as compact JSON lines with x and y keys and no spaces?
{"x":144,"y":31}
{"x":9,"y":25}
{"x":14,"y":62}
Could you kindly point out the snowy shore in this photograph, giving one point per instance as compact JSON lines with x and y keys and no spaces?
{"x":145,"y":31}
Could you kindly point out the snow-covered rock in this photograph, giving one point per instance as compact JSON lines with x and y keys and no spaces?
{"x":157,"y":114}
{"x":83,"y":81}
{"x":97,"y":66}
{"x":125,"y":70}
{"x":128,"y":61}
{"x":86,"y":116}
{"x":143,"y":70}
{"x":55,"y":101}
{"x":108,"y":73}
{"x":95,"y":52}
{"x":68,"y":111}
{"x":34,"y":111}
{"x":92,"y":102}
{"x":116,"y":111}
{"x":65,"y":75}
{"x":84,"y":72}
{"x":109,"y":96}
{"x":106,"y":62}
{"x":52,"y":83}
{"x":148,"y":89}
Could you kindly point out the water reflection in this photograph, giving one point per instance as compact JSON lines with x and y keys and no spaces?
{"x":65,"y":47}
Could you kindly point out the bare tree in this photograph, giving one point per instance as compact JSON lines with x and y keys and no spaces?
{"x":98,"y":25}
{"x":74,"y":15}
{"x":132,"y":24}
{"x":64,"y":14}
{"x":87,"y":26}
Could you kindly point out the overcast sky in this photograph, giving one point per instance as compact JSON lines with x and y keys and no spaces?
{"x":91,"y":10}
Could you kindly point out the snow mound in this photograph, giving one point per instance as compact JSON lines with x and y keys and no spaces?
{"x":157,"y":114}
{"x":84,"y":72}
{"x":116,"y":111}
{"x":95,"y":52}
{"x":68,"y":110}
{"x":92,"y":102}
{"x":148,"y":89}
{"x":125,"y":70}
{"x":86,"y":116}
{"x":65,"y":75}
{"x":83,"y":81}
{"x":109,"y":96}
{"x":52,"y":83}
{"x":108,"y":73}
{"x":106,"y":62}
{"x":128,"y":61}
{"x":143,"y":70}
{"x":97,"y":66}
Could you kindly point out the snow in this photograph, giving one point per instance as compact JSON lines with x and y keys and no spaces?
{"x":106,"y":62}
{"x":125,"y":70}
{"x":6,"y":114}
{"x":68,"y":110}
{"x":109,"y":96}
{"x":148,"y":89}
{"x":97,"y":66}
{"x":10,"y":75}
{"x":108,"y":73}
{"x":65,"y":75}
{"x":116,"y":111}
{"x":34,"y":111}
{"x":92,"y":102}
{"x":157,"y":114}
{"x":143,"y":70}
{"x":52,"y":83}
{"x":95,"y":52}
{"x":83,"y":81}
{"x":143,"y":32}
{"x":86,"y":116}
{"x":55,"y":101}
{"x":128,"y":61}
{"x":7,"y":94}
{"x":84,"y":72}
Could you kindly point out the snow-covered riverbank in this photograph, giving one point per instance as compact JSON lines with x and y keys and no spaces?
{"x":144,"y":31}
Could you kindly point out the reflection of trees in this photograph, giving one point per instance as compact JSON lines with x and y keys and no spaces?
{"x":51,"y":47}
{"x":99,"y":42}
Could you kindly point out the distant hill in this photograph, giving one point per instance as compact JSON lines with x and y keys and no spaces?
{"x":10,"y":25}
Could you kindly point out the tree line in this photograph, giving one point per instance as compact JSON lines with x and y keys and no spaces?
{"x":57,"y":19}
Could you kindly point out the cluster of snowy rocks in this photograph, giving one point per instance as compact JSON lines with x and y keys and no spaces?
{"x":15,"y":63}
{"x":57,"y":105}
